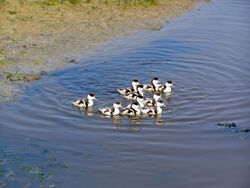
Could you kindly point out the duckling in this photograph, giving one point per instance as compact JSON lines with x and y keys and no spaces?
{"x":140,"y":101}
{"x":133,"y":95}
{"x":167,"y":88}
{"x":135,"y":110}
{"x":128,"y":90}
{"x":152,"y":102}
{"x":111,"y":111}
{"x":85,"y":103}
{"x":154,"y":86}
{"x":156,"y":110}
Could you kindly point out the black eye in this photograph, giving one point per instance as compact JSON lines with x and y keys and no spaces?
{"x":155,"y":78}
{"x":91,"y":94}
{"x":135,"y":80}
{"x":169,"y":81}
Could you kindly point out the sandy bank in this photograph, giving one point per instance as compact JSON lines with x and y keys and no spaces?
{"x":37,"y":37}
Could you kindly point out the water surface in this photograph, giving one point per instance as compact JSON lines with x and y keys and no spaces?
{"x":45,"y":141}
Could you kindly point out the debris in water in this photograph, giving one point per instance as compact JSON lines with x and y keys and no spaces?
{"x":228,"y":125}
{"x":234,"y":126}
{"x":245,"y":130}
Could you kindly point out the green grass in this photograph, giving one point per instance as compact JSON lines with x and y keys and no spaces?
{"x":12,"y":11}
{"x":2,"y":1}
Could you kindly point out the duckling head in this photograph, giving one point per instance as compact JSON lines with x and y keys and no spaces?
{"x":160,"y":103}
{"x":91,"y":96}
{"x":136,"y":107}
{"x":140,"y":89}
{"x":169,"y":83}
{"x":117,"y":104}
{"x":155,"y":81}
{"x":134,"y":84}
{"x":157,"y":96}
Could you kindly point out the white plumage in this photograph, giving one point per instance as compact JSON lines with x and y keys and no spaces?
{"x":128,"y":90}
{"x":141,"y":105}
{"x":111,"y":111}
{"x":156,"y":110}
{"x":85,"y":103}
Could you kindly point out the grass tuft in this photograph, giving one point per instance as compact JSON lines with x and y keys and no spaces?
{"x":12,"y":12}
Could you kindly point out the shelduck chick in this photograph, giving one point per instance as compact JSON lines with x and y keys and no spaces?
{"x":128,"y":90}
{"x":111,"y":111}
{"x":154,"y":86}
{"x":140,"y":101}
{"x":157,"y":110}
{"x":135,"y":110}
{"x":167,"y":88}
{"x":133,"y":95}
{"x":152,"y":102}
{"x":85,"y":103}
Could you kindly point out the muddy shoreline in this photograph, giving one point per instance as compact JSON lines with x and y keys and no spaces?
{"x":35,"y":38}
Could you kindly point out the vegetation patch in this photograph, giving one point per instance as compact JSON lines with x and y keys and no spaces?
{"x":11,"y":11}
{"x":22,"y":77}
{"x":2,"y":1}
{"x":5,"y":62}
{"x":75,"y":2}
{"x":34,"y":169}
{"x":56,"y":2}
{"x":24,"y":18}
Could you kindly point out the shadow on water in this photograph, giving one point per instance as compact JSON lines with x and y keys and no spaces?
{"x":46,"y":142}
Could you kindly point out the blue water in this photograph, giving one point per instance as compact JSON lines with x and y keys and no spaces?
{"x":45,"y":141}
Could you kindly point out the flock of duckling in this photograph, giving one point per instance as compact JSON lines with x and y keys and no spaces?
{"x":139,"y":105}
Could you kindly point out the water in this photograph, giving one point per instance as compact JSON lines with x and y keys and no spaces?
{"x":44,"y":141}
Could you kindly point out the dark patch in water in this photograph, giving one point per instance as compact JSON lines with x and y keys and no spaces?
{"x":234,"y":127}
{"x":73,"y":60}
{"x":228,"y":125}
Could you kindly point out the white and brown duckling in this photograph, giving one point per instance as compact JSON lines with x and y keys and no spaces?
{"x":167,"y":88}
{"x":85,"y":103}
{"x":111,"y":111}
{"x":152,"y":101}
{"x":134,"y":110}
{"x":140,"y":101}
{"x":134,"y":95}
{"x":154,"y":86}
{"x":156,"y":110}
{"x":128,"y":90}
